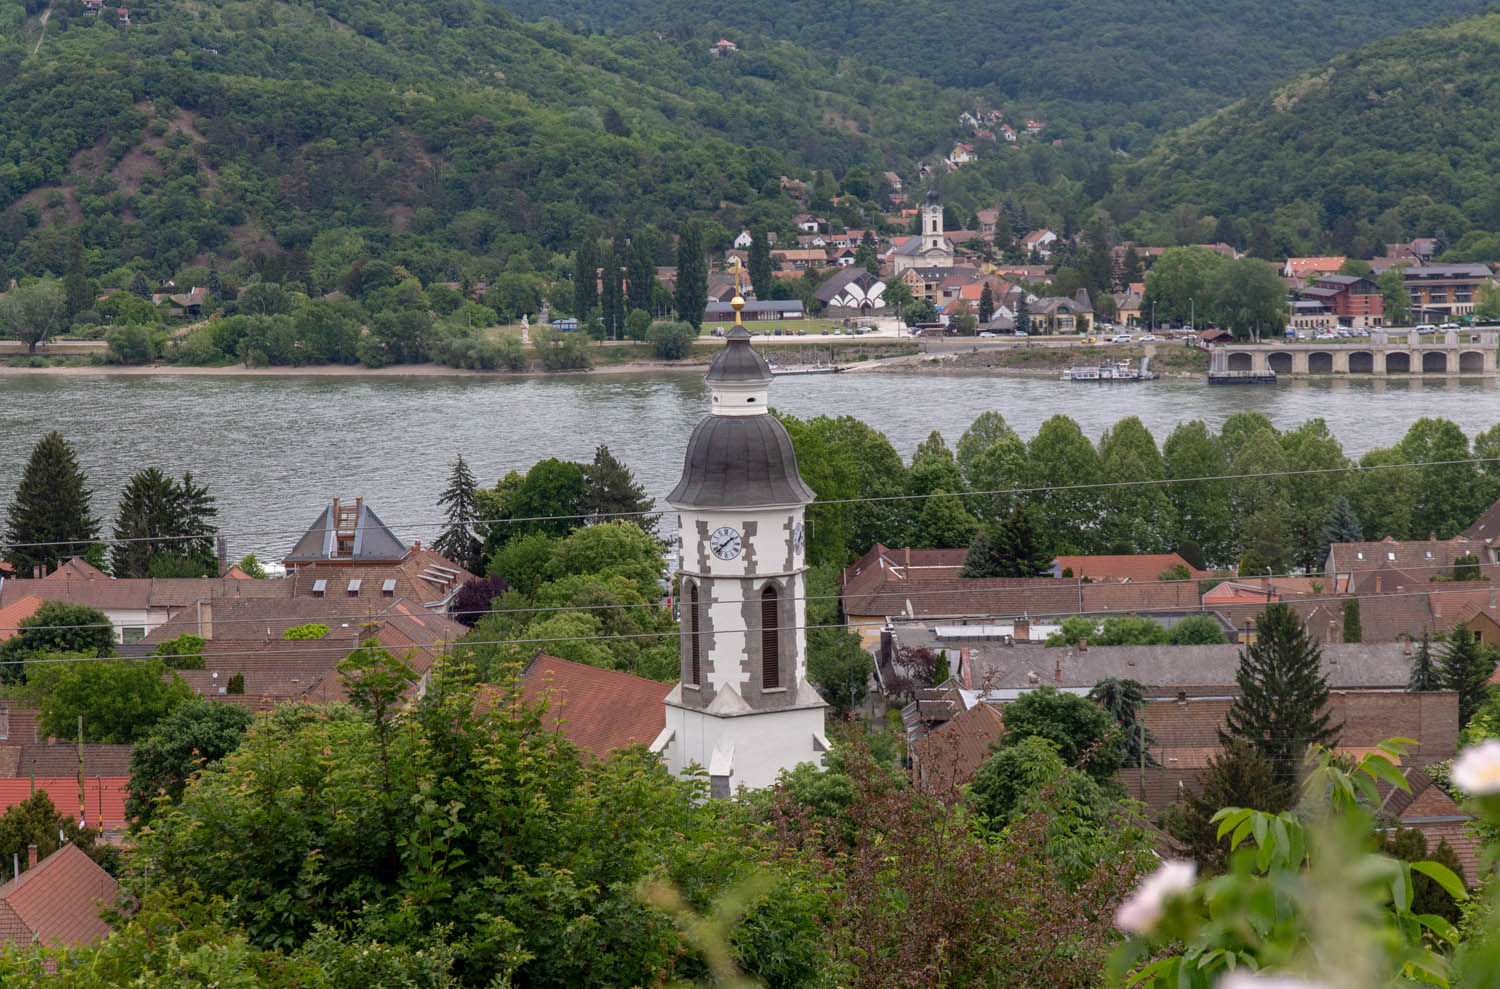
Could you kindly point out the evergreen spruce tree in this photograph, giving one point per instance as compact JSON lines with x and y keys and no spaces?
{"x":1018,"y":544}
{"x":980,"y":560}
{"x":1023,"y":314}
{"x":140,"y":285}
{"x":50,"y":508}
{"x":692,"y":277}
{"x":1130,"y":268}
{"x":1341,"y":526}
{"x":458,"y":541}
{"x":609,"y":489}
{"x":1425,"y":674}
{"x":215,"y":283}
{"x":1353,"y":632}
{"x":1283,"y":693}
{"x":585,"y":279}
{"x":1466,"y":665}
{"x":164,"y":528}
{"x":986,"y":304}
{"x":640,"y":275}
{"x":762,"y":271}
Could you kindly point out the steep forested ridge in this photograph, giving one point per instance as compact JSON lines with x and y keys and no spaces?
{"x":1399,"y":139}
{"x":1127,"y":67}
{"x":214,"y":128}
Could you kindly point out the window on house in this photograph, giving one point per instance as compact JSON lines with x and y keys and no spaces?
{"x":388,"y":588}
{"x":695,"y":654}
{"x":132,"y":633}
{"x":354,"y":588}
{"x":770,"y":640}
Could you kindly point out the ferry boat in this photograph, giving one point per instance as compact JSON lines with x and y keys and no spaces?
{"x":805,"y":369}
{"x":1111,"y":371}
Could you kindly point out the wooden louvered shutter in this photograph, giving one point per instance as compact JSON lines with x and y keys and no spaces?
{"x":694,"y":649}
{"x":770,"y":640}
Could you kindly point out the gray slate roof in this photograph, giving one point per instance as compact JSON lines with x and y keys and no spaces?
{"x":1172,"y":668}
{"x":373,"y":540}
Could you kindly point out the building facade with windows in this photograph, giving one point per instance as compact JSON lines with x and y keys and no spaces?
{"x":1438,"y":290}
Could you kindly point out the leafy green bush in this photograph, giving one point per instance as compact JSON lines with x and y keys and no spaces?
{"x":131,"y":345}
{"x":182,"y":653}
{"x":310,"y":631}
{"x":671,"y":341}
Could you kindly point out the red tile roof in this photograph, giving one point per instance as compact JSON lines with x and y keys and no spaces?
{"x":951,"y":755}
{"x":1136,"y":567}
{"x":13,"y":615}
{"x":57,"y":901}
{"x":105,"y":794}
{"x":597,"y":710}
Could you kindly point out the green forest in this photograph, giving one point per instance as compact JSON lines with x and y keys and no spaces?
{"x":1127,"y":70}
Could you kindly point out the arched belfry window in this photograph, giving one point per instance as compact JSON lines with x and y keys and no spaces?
{"x":695,"y":650}
{"x":770,"y":639}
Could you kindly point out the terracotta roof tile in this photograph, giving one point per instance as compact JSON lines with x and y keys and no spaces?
{"x":597,"y":710}
{"x":951,"y":754}
{"x":1135,"y":567}
{"x":14,"y":614}
{"x":105,"y":795}
{"x":57,"y":901}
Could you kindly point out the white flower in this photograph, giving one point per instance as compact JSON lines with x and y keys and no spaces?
{"x":1477,"y":769}
{"x":1249,"y":980}
{"x":1142,"y":909}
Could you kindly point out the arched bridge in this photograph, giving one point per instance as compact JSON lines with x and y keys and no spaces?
{"x":1451,"y":352}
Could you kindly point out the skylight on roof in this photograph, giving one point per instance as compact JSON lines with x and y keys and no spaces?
{"x":1390,"y":555}
{"x":354,"y":587}
{"x":319,"y":586}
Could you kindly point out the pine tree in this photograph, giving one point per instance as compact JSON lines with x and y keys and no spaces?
{"x":1466,"y":665}
{"x":1425,"y":674}
{"x":986,"y":304}
{"x":585,"y":279}
{"x":140,"y":285}
{"x":609,"y":489}
{"x":1353,"y":631}
{"x":640,"y":274}
{"x":1023,"y":314}
{"x":163,"y":528}
{"x":692,"y":277}
{"x":1016,"y":543}
{"x":1341,"y":526}
{"x":762,"y":272}
{"x":50,"y":510}
{"x":458,"y":540}
{"x":1283,"y":694}
{"x":215,"y":283}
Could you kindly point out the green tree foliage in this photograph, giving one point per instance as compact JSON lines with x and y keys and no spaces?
{"x":585,"y":278}
{"x":672,"y":341}
{"x":57,"y":628}
{"x":1202,"y":507}
{"x":1353,"y":631}
{"x":640,"y":277}
{"x":34,"y":312}
{"x":1138,"y":515}
{"x":987,"y":429}
{"x":49,"y":520}
{"x":579,"y":837}
{"x":1283,"y":694}
{"x":547,"y":500}
{"x":193,"y":737}
{"x":1124,"y":698}
{"x":1450,"y":493}
{"x":35,"y":821}
{"x":1341,"y":526}
{"x":1060,"y":456}
{"x":1466,"y":664}
{"x":1182,"y":283}
{"x":459,"y":541}
{"x":610,"y":490}
{"x":1426,"y":674}
{"x":164,"y":527}
{"x":1237,"y":776}
{"x":1395,"y":298}
{"x":762,"y":271}
{"x":1466,"y":567}
{"x":1011,"y":547}
{"x":1085,"y":734}
{"x":692,"y":277}
{"x":1248,"y":298}
{"x":1197,"y":630}
{"x":119,"y":699}
{"x":1427,"y":897}
{"x":182,"y":653}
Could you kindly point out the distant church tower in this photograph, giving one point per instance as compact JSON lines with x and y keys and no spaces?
{"x":743,"y":709}
{"x":932,"y":225}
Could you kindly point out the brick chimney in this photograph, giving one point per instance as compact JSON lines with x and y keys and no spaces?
{"x":31,"y":856}
{"x":205,"y":618}
{"x":1023,"y":630}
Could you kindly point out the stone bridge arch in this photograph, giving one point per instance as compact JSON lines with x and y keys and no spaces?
{"x":1471,"y":362}
{"x":1279,"y":361}
{"x":1240,"y":361}
{"x":1434,"y":362}
{"x":1361,"y":362}
{"x":1320,"y":362}
{"x":1397,"y":362}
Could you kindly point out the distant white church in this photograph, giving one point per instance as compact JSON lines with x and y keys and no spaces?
{"x":932,"y":249}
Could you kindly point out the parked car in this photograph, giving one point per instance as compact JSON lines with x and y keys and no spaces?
{"x":1425,"y":328}
{"x":1120,"y":338}
{"x":989,"y":333}
{"x":1148,"y":336}
{"x":1448,"y":326}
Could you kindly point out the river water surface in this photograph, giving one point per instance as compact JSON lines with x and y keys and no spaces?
{"x":274,"y":450}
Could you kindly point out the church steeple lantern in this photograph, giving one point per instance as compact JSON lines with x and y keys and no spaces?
{"x":744,"y":709}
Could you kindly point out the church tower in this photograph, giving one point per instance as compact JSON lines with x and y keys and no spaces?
{"x":932,"y":224}
{"x":743,"y":709}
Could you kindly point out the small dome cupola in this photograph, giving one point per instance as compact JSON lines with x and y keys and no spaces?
{"x":739,"y":378}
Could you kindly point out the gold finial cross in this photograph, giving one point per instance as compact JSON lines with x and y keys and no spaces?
{"x":738,"y":302}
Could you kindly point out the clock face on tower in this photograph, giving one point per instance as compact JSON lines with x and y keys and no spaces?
{"x":799,"y":537}
{"x":725,"y":542}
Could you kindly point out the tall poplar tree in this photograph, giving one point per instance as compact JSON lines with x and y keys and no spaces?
{"x":986,"y":304}
{"x":612,"y":293}
{"x":1281,"y":709}
{"x":49,"y":519}
{"x":459,"y":540}
{"x":640,"y":273}
{"x":78,"y":289}
{"x":692,"y":277}
{"x":585,"y":279}
{"x":762,"y":271}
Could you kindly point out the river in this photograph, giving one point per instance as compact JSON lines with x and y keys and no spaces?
{"x":275,"y":449}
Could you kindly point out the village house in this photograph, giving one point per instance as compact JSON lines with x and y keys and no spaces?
{"x":597,"y":710}
{"x":1301,"y":271}
{"x":852,"y":292}
{"x":1055,"y":314}
{"x":1039,"y":243}
{"x":57,"y":901}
